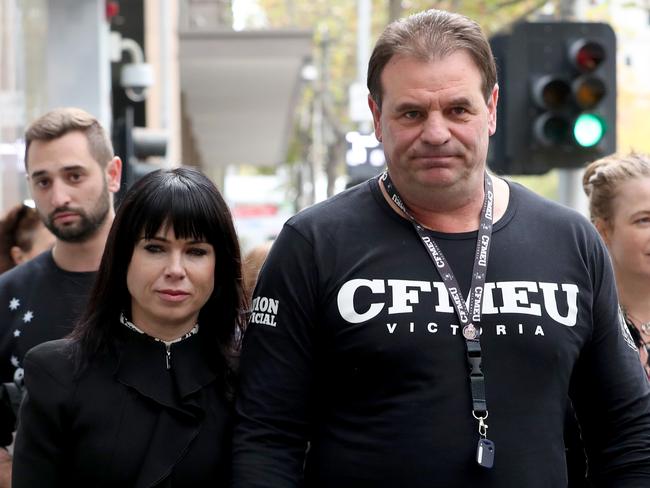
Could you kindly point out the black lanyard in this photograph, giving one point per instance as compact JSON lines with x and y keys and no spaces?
{"x":468,"y":315}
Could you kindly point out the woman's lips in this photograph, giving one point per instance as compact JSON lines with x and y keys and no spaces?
{"x":173,"y":295}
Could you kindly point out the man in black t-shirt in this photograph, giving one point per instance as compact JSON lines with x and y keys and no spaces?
{"x":431,"y":327}
{"x":72,"y":174}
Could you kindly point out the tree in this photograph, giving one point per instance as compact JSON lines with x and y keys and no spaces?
{"x":337,"y":20}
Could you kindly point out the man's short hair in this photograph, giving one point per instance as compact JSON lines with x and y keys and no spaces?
{"x":61,"y":121}
{"x":427,"y":36}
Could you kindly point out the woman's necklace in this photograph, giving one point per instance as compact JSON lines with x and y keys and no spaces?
{"x":644,"y":327}
{"x":135,"y":328}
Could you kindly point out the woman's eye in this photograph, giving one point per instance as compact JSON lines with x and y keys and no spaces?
{"x":197,"y":251}
{"x":153,"y":248}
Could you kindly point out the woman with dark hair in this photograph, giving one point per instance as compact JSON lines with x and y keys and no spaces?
{"x":22,"y":236}
{"x":139,"y":394}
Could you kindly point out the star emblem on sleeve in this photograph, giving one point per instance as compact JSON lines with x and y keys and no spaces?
{"x":17,"y":333}
{"x":14,"y":303}
{"x":29,"y":315}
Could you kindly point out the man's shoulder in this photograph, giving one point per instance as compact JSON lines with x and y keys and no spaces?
{"x":29,"y":272}
{"x":349,"y":205}
{"x":542,"y":218}
{"x":527,"y":200}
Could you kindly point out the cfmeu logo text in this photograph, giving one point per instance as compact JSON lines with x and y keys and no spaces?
{"x":264,"y":311}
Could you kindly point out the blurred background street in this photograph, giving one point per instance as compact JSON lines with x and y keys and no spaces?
{"x":268,"y":97}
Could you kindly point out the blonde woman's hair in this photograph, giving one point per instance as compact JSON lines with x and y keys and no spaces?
{"x":603,"y":177}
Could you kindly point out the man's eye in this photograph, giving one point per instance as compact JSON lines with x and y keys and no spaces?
{"x":75,"y":177}
{"x":412,"y":115}
{"x":42,"y":183}
{"x":459,"y":110}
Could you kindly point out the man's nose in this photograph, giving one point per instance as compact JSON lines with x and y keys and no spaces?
{"x":435,"y":130}
{"x":60,"y":197}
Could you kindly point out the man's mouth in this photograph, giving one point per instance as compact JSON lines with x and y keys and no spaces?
{"x":64,"y":216}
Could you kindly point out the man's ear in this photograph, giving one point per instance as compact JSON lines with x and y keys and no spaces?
{"x":492,"y":110}
{"x":28,"y":180}
{"x":114,"y":174}
{"x":376,"y":116}
{"x":17,"y":255}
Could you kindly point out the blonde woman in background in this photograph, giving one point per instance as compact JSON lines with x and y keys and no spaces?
{"x":618,"y":187}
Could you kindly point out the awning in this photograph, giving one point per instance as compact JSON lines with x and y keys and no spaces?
{"x":239,"y":92}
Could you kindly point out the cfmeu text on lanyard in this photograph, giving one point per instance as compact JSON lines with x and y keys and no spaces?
{"x":468,"y":315}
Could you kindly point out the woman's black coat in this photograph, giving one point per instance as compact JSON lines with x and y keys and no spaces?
{"x":126,"y":420}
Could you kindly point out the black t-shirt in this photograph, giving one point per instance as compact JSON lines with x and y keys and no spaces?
{"x":353,"y":346}
{"x":39,"y":302}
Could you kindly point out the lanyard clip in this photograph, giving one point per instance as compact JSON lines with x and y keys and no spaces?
{"x":482,"y":426}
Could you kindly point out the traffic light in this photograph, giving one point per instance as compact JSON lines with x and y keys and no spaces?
{"x":557,"y":106}
{"x":134,"y":145}
{"x":364,"y":156}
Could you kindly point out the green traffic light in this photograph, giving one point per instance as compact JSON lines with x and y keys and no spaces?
{"x":588,"y":130}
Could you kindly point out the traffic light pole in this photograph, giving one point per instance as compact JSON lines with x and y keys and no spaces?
{"x":570,"y":192}
{"x":566,"y":9}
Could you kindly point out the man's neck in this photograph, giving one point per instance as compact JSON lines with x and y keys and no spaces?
{"x":451,"y":215}
{"x":82,"y":256}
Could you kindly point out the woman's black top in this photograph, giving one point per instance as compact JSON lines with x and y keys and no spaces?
{"x":126,"y":420}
